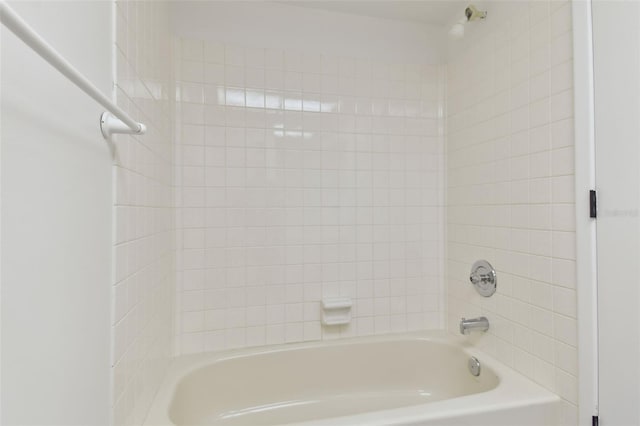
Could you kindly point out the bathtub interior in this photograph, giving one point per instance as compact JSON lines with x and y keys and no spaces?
{"x":298,"y":385}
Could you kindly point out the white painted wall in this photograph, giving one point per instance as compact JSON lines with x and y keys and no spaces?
{"x":616,"y":37}
{"x":273,"y":25}
{"x":56,"y":222}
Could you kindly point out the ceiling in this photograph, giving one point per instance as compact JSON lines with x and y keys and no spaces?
{"x":435,"y":12}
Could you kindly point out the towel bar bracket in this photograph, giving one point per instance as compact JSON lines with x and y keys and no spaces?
{"x":110,"y":125}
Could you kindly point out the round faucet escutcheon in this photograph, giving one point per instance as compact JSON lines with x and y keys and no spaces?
{"x":484,"y":278}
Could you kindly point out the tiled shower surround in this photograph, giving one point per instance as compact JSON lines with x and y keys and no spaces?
{"x":510,"y":190}
{"x":301,"y":176}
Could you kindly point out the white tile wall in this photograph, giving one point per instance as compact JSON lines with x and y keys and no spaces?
{"x":511,"y":190}
{"x":301,"y":176}
{"x":144,"y":249}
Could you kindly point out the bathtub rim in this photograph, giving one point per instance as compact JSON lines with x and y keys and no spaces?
{"x":510,"y":382}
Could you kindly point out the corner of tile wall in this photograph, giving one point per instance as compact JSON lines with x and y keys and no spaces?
{"x":144,"y":247}
{"x":510,"y":189}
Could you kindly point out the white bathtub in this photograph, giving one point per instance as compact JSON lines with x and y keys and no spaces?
{"x":411,"y":379}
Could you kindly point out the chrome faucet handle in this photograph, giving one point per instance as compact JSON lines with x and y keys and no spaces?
{"x":477,"y":278}
{"x":483,"y":277}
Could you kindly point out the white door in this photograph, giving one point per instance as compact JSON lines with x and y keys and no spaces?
{"x":616,"y":38}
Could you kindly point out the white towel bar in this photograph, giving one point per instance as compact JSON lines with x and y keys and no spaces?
{"x":113,"y":121}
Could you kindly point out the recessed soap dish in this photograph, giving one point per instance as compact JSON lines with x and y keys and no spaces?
{"x":336,"y":310}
